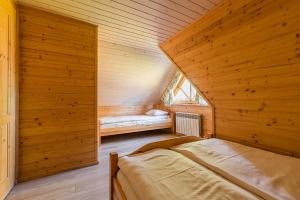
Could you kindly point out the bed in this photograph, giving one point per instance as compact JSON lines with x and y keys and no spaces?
{"x":194,"y":168}
{"x":113,"y":125}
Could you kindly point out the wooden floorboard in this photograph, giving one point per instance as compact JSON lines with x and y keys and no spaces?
{"x":88,"y":183}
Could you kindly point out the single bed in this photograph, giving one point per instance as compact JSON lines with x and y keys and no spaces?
{"x":192,"y":168}
{"x":113,"y":125}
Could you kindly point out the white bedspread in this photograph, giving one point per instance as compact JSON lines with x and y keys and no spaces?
{"x":129,"y":118}
{"x":266,"y":174}
{"x":132,"y":120}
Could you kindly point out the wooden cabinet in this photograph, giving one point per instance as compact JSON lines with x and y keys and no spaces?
{"x":58,"y":75}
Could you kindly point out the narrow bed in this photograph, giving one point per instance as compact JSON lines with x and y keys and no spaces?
{"x":189,"y":168}
{"x":153,"y":119}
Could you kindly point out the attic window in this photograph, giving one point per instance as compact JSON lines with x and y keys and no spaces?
{"x":182,"y":91}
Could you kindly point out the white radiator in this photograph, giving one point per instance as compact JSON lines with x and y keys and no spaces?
{"x":188,"y":124}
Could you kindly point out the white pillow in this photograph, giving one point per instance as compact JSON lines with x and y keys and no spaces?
{"x":155,"y":112}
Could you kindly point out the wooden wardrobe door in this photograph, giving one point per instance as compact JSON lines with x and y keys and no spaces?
{"x":7,"y":123}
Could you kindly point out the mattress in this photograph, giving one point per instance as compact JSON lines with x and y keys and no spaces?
{"x":133,"y":120}
{"x":167,"y":175}
{"x":266,"y":174}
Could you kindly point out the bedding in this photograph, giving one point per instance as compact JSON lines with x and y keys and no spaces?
{"x":156,"y":112}
{"x":129,"y":118}
{"x":266,"y":174}
{"x":167,"y":175}
{"x":123,"y":121}
{"x":126,"y":187}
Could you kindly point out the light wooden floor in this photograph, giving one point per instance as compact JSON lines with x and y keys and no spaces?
{"x":89,"y":183}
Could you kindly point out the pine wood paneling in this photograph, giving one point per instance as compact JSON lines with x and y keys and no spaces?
{"x":244,"y":56}
{"x":58,"y":68}
{"x":130,"y":76}
{"x":136,"y":23}
{"x":7,"y":95}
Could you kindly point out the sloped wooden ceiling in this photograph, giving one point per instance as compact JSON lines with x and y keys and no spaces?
{"x":130,"y":76}
{"x":132,"y":68}
{"x":141,"y":24}
{"x":245,"y":57}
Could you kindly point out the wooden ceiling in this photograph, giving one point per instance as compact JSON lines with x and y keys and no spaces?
{"x":142,"y":24}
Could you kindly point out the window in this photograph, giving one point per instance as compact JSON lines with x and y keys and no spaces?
{"x":182,"y":91}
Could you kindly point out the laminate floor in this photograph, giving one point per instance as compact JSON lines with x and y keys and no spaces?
{"x":90,"y":183}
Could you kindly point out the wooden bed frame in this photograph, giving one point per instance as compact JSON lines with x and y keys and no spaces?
{"x":131,"y":129}
{"x":138,"y":128}
{"x":116,"y":192}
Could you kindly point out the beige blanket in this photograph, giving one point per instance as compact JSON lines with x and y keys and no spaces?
{"x":162,"y":174}
{"x":126,"y":186}
{"x":266,"y":174}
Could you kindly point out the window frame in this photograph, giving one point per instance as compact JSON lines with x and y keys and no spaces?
{"x":188,"y":96}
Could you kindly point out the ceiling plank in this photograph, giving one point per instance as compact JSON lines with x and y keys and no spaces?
{"x":140,"y":24}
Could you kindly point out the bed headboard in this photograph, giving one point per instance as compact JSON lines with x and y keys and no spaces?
{"x":122,"y":110}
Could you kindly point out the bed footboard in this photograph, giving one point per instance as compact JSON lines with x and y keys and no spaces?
{"x":116,"y":192}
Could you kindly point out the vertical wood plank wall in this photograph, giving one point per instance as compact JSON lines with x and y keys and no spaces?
{"x":58,"y":69}
{"x":245,"y":57}
{"x":7,"y":95}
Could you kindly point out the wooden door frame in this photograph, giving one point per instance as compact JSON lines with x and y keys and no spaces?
{"x":9,"y":8}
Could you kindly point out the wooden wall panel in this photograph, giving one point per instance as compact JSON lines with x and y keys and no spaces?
{"x":7,"y":95}
{"x":131,"y":77}
{"x":58,"y":68}
{"x":245,"y":57}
